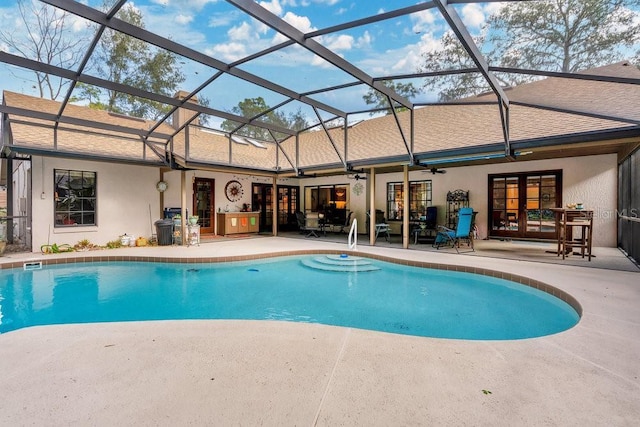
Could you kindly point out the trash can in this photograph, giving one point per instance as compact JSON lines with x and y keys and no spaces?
{"x":164,"y":230}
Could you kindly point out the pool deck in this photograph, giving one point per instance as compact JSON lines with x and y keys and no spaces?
{"x":280,"y":373}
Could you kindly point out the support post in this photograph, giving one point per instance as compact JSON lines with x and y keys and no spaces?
{"x":183,"y":203}
{"x":274,"y":206}
{"x":372,"y":206}
{"x":405,"y":207}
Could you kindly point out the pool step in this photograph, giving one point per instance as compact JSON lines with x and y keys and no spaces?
{"x":340,"y":263}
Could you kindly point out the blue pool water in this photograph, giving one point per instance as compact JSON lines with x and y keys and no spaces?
{"x":398,"y":299}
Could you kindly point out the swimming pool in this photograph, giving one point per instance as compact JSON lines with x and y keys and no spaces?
{"x":390,"y":298}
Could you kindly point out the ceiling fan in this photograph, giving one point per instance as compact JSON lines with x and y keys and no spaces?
{"x":302,"y":174}
{"x":436,"y":170}
{"x":356,"y":176}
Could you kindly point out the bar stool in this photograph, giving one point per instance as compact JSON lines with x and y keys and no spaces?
{"x":570,"y":221}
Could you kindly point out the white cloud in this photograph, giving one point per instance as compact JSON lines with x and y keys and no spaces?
{"x":302,"y":23}
{"x":184,"y":19}
{"x":339,"y":42}
{"x":242,"y":32}
{"x":493,"y":8}
{"x":228,"y":51}
{"x":472,"y":15}
{"x":316,"y":61}
{"x":272,"y":6}
{"x":364,"y":41}
{"x":78,"y":24}
{"x":404,"y":60}
{"x":409,"y":62}
{"x":422,"y":21}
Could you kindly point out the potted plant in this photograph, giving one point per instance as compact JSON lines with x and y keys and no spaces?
{"x":193,"y":219}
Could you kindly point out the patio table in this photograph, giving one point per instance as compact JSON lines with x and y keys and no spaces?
{"x":565,"y":220}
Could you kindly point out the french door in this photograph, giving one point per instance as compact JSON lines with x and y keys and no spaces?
{"x":262,"y":201}
{"x":288,"y":199}
{"x":203,"y":206}
{"x":520,"y":203}
{"x":287,"y":207}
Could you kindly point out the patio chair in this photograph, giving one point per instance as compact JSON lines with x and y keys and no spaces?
{"x":447,"y":236}
{"x":427,"y":225}
{"x":346,"y":223}
{"x":310,"y":227}
{"x":431,"y":217}
{"x":499,"y":223}
{"x":381,"y":227}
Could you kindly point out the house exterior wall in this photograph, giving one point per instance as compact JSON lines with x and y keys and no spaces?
{"x":172,"y":197}
{"x":125,"y":194}
{"x":591,"y":180}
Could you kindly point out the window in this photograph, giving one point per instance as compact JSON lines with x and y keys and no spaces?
{"x":75,"y":197}
{"x":319,"y":199}
{"x":420,"y":197}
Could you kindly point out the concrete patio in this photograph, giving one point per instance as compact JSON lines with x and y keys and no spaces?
{"x":279,"y":373}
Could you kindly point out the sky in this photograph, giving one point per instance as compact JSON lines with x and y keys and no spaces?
{"x":218,"y":29}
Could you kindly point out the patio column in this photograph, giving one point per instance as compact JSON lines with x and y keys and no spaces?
{"x":372,"y":206}
{"x":183,"y":203}
{"x":274,"y":206}
{"x":405,"y":208}
{"x":161,"y":196}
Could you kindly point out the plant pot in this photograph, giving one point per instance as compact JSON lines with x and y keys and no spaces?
{"x":193,"y":220}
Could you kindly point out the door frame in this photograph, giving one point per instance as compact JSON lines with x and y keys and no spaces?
{"x":212,"y":207}
{"x":263,"y":203}
{"x":261,"y":200}
{"x":522,"y":219}
{"x":287,"y":208}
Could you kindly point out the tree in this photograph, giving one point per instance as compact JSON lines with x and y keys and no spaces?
{"x":253,"y":107}
{"x":89,"y":93}
{"x":552,"y":35}
{"x":48,"y":38}
{"x":379,"y":100}
{"x":121,"y":58}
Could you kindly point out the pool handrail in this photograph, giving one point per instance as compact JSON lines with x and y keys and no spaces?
{"x":353,"y":236}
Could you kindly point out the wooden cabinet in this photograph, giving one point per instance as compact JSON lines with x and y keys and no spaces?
{"x":238,"y":222}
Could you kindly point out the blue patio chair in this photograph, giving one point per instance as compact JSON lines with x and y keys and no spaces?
{"x":447,"y":236}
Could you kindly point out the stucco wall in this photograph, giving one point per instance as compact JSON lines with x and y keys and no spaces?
{"x":125,"y":194}
{"x":591,"y":180}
